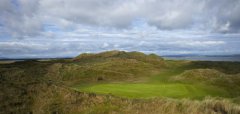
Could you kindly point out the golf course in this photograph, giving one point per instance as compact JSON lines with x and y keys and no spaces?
{"x":120,"y":82}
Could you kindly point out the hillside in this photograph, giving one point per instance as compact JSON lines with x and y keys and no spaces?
{"x":119,"y":82}
{"x":109,"y":66}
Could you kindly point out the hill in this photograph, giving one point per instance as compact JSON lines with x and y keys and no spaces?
{"x":119,"y":82}
{"x":110,"y":66}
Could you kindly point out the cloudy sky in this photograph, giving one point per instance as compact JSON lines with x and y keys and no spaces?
{"x":66,"y":28}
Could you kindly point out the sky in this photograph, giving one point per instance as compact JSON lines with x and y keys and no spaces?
{"x":66,"y":28}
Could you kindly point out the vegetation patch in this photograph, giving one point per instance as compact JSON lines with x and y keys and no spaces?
{"x":139,"y":90}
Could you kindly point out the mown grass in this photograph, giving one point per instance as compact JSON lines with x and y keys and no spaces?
{"x":143,"y":90}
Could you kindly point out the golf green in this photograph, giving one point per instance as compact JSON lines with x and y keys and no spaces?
{"x":139,"y":90}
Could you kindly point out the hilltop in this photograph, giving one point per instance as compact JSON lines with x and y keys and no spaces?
{"x":115,"y":54}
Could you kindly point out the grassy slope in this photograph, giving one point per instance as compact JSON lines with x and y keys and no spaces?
{"x":158,"y":85}
{"x":44,"y":87}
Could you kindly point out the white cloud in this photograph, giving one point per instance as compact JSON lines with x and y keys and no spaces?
{"x":161,"y":26}
{"x":193,"y":43}
{"x":105,"y":45}
{"x":27,"y":17}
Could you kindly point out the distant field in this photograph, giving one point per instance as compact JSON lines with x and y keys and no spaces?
{"x":205,"y":58}
{"x":6,"y":62}
{"x":138,"y":90}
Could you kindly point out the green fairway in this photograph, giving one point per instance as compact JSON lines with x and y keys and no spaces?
{"x":153,"y":90}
